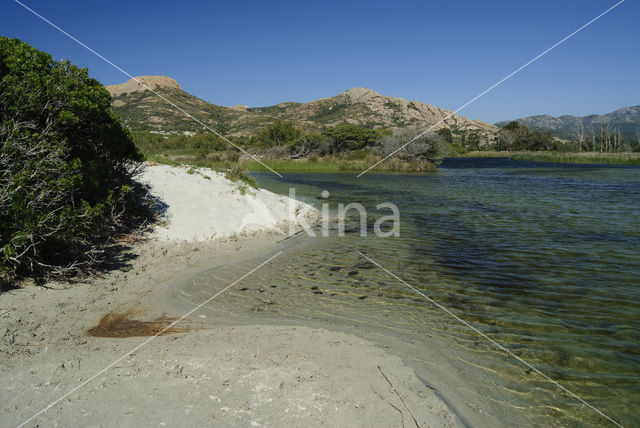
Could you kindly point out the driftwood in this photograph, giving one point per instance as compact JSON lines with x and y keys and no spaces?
{"x":400,"y":397}
{"x":392,"y":405}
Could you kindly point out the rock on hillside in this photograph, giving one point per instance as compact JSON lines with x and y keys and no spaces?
{"x":141,"y":83}
{"x":394,"y":112}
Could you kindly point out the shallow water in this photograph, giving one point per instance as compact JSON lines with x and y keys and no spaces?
{"x":545,"y":259}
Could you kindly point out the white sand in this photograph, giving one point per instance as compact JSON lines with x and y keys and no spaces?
{"x":204,"y":205}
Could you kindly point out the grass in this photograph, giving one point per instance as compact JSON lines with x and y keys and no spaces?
{"x":232,"y":169}
{"x":625,"y":158}
{"x":235,"y":166}
{"x":337,"y":163}
{"x":303,"y":165}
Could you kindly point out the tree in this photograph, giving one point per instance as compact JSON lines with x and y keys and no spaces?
{"x":580,"y":135}
{"x":311,"y":144}
{"x":605,"y":136}
{"x":446,"y":134}
{"x":471,"y":140}
{"x":278,"y":133}
{"x":516,"y":136}
{"x":348,"y":137}
{"x":511,"y":136}
{"x":66,"y":164}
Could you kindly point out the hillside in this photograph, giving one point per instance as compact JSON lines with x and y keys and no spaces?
{"x":626,"y":120}
{"x":142,"y":110}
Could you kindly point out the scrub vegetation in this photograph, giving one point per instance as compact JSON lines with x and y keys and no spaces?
{"x":66,"y":167}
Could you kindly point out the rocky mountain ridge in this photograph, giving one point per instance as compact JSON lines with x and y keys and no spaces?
{"x":142,"y":110}
{"x":625,"y":119}
{"x":141,"y":83}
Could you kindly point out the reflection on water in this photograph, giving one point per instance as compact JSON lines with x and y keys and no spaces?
{"x":544,"y":259}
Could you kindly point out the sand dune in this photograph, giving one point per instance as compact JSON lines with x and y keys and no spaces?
{"x":202,"y":204}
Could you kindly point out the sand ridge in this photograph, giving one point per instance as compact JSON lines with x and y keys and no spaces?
{"x":201,"y":204}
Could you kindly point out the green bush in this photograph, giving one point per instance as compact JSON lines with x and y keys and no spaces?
{"x":516,"y":136}
{"x":66,"y":165}
{"x":348,"y":137}
{"x":276,"y":134}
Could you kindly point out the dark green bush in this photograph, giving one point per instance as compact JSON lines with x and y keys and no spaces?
{"x":277,"y":134}
{"x":516,"y":136}
{"x":348,"y":137}
{"x":66,"y":165}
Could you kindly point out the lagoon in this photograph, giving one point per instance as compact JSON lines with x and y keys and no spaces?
{"x":543,"y":258}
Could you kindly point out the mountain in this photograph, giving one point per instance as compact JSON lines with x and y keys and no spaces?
{"x":138,"y":85}
{"x":626,"y":120}
{"x":143,"y":110}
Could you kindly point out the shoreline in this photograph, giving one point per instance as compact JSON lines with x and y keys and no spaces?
{"x":439,"y":366}
{"x":269,"y":370}
{"x":225,"y":374}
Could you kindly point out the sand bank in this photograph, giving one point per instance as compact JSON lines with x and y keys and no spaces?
{"x":207,"y":376}
{"x":201,"y":204}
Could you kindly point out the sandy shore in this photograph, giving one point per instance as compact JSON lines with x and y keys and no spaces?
{"x":255,"y":375}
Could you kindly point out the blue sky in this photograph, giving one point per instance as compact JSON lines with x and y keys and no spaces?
{"x":441,"y":53}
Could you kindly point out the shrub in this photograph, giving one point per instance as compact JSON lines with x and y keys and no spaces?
{"x":231,"y":156}
{"x":239,"y":172}
{"x":428,"y":147}
{"x":446,"y":135}
{"x":516,"y":136}
{"x":350,"y":137}
{"x":276,"y":134}
{"x":311,"y":144}
{"x":66,"y":165}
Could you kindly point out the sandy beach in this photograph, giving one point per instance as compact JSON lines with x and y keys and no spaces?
{"x":196,"y":373}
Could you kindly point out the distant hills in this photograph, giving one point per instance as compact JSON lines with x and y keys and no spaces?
{"x":625,"y":120}
{"x":141,"y":110}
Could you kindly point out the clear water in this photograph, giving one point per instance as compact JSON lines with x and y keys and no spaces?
{"x":545,"y":259}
